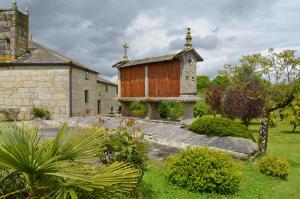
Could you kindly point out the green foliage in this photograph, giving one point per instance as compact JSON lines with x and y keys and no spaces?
{"x":218,"y":126}
{"x":138,"y":109}
{"x":201,"y":109}
{"x":292,"y":114}
{"x":170,"y":110}
{"x":10,"y":114}
{"x":202,"y":83}
{"x":61,"y":167}
{"x":125,"y":145}
{"x":204,"y":170}
{"x":274,"y":166}
{"x":221,"y":81}
{"x":272,"y":120}
{"x":41,"y":112}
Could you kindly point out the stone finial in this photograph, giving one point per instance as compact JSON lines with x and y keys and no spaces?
{"x":14,"y":4}
{"x":125,"y":46}
{"x":188,"y":39}
{"x":27,"y":10}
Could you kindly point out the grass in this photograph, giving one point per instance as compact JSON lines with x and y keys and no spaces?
{"x":254,"y":184}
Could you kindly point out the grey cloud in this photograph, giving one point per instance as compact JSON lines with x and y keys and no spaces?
{"x":208,"y":42}
{"x":92,"y":31}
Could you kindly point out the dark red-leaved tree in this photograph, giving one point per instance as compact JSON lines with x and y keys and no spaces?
{"x":237,"y":105}
{"x":214,"y":98}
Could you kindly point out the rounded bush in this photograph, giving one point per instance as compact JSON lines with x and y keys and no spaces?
{"x":218,"y":126}
{"x":201,"y":109}
{"x":204,"y":170}
{"x":274,"y":166}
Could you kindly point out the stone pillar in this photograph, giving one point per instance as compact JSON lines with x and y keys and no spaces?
{"x":152,"y":111}
{"x":125,"y":108}
{"x":188,"y":110}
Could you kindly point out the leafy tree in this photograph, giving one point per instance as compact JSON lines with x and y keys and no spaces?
{"x":277,"y":76}
{"x":62,"y":167}
{"x":221,"y":81}
{"x":293,"y":114}
{"x":237,"y":105}
{"x":214,"y":98}
{"x":202,"y":84}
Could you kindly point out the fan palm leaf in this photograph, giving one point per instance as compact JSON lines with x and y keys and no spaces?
{"x":59,"y":167}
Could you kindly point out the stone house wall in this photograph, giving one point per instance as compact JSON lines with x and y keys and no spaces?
{"x":108,"y":98}
{"x":188,"y":72}
{"x":25,"y":87}
{"x":79,"y":84}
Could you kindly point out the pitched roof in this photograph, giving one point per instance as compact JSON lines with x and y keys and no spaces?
{"x":106,"y":81}
{"x":39,"y":54}
{"x":169,"y":57}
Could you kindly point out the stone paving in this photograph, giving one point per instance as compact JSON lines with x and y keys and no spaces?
{"x":166,"y":137}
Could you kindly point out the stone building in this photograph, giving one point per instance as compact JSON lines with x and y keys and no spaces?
{"x":164,"y":78}
{"x":32,"y":75}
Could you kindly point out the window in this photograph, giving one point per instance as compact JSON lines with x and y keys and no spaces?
{"x":99,"y":106}
{"x":86,"y":96}
{"x":106,"y":88}
{"x":117,"y":90}
{"x":87,"y":75}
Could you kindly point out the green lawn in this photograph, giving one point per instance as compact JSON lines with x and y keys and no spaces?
{"x":254,"y":184}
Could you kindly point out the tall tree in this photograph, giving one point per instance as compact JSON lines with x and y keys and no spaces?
{"x":202,"y":84}
{"x":277,"y":75}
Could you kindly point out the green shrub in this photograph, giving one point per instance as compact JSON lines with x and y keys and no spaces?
{"x":170,"y":110}
{"x":138,"y":113}
{"x":138,"y":109}
{"x":125,"y":145}
{"x":10,"y":114}
{"x":218,"y":126}
{"x":204,"y":170}
{"x":41,"y":112}
{"x":274,"y":166}
{"x":201,"y":109}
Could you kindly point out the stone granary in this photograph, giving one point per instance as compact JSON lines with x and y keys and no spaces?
{"x":164,"y":78}
{"x":32,"y":75}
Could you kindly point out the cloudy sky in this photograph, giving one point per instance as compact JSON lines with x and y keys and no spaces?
{"x":92,"y":31}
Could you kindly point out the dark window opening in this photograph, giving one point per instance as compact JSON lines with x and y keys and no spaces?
{"x":117,"y":90}
{"x":86,"y":96}
{"x":99,"y":106}
{"x":106,"y":88}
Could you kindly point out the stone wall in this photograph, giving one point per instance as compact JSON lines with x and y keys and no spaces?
{"x":79,"y":84}
{"x":14,"y":30}
{"x":25,"y":87}
{"x":108,"y":98}
{"x":188,"y":72}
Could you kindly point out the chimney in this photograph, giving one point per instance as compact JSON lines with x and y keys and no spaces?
{"x":14,"y":32}
{"x":188,"y":39}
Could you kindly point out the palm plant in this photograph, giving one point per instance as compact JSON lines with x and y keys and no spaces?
{"x":61,"y":167}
